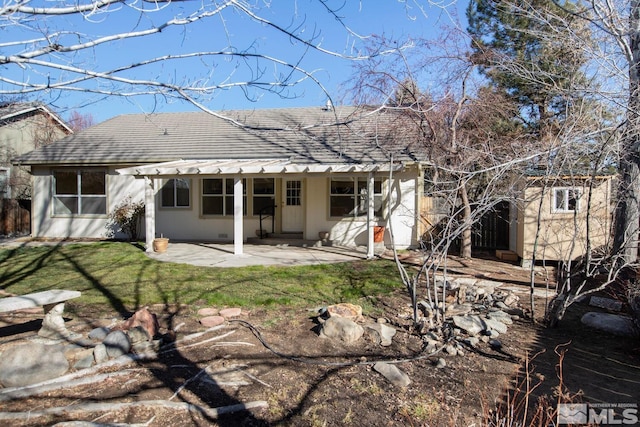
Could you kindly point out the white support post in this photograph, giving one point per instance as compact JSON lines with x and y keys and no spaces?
{"x":149,"y":213}
{"x":370,"y":215}
{"x":237,"y":216}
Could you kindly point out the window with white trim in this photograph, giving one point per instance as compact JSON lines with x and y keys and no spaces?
{"x":348,"y":197}
{"x":176,"y":193}
{"x":217,"y":196}
{"x":79,"y":192}
{"x":566,"y":199}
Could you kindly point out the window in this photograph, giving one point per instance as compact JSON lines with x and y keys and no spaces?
{"x":80,"y":192}
{"x":217,"y":196}
{"x":175,"y":193}
{"x":264,"y":195}
{"x":294,"y":193}
{"x":349,"y":197}
{"x":566,"y":200}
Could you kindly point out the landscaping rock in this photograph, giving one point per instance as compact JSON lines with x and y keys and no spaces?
{"x":211,"y":321}
{"x":472,"y":341}
{"x":208,"y":311}
{"x":501,"y":316}
{"x":148,"y":349}
{"x":472,"y":324}
{"x":458,"y":309}
{"x":393,"y":374}
{"x":143,"y":318}
{"x":496,"y":325}
{"x":451,"y":349}
{"x":138,"y":334}
{"x":495,"y":344}
{"x":99,"y":334}
{"x":31,"y":363}
{"x":117,"y":343}
{"x":441,"y":363}
{"x":342,"y":329}
{"x":382,"y":333}
{"x":606,"y":303}
{"x":100,"y":353}
{"x":230,"y":312}
{"x":511,"y":300}
{"x":346,"y":310}
{"x":465,"y":281}
{"x":84,"y":359}
{"x":501,"y":305}
{"x":612,"y":323}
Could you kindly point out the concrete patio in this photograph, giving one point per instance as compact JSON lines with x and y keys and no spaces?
{"x":221,"y":255}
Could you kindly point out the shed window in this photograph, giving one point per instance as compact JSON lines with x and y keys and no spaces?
{"x":566,"y":200}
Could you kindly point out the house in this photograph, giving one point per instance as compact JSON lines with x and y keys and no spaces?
{"x":314,"y":173}
{"x":24,"y":126}
{"x":204,"y":177}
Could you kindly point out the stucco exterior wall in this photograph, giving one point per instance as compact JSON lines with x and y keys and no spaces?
{"x":47,"y":225}
{"x":563,"y":236}
{"x":189,"y":224}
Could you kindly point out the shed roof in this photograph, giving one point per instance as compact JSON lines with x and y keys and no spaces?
{"x":344,"y":135}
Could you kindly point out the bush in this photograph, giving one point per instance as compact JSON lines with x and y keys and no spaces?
{"x":126,"y":218}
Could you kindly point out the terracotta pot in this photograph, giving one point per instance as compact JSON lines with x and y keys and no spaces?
{"x":160,"y":244}
{"x":378,"y":234}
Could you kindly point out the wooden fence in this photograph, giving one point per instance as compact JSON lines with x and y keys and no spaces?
{"x":15,"y":217}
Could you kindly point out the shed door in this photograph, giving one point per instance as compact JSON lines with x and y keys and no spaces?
{"x":292,"y":210}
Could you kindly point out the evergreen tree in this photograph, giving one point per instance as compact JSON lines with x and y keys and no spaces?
{"x":527,"y":48}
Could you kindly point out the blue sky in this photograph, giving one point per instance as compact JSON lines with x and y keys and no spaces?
{"x":394,"y":19}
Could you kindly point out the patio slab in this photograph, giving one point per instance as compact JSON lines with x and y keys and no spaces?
{"x":221,"y":255}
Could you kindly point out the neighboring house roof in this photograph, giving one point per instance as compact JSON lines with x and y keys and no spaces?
{"x":12,"y":112}
{"x":345,"y":135}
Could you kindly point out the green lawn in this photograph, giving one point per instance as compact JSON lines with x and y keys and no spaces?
{"x":120,"y":277}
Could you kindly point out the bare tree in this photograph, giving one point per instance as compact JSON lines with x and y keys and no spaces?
{"x":42,"y":51}
{"x":465,"y":131}
{"x":78,"y":121}
{"x":598,"y":127}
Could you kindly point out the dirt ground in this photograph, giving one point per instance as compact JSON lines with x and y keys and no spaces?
{"x":276,"y":360}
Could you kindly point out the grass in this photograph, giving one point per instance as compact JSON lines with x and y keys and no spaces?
{"x":119,"y":276}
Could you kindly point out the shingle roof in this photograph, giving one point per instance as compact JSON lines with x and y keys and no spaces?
{"x":12,"y":111}
{"x":302,"y":135}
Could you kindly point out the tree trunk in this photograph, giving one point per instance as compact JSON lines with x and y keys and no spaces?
{"x":465,"y":240}
{"x":628,"y":209}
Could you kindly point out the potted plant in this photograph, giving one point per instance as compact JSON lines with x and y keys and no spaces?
{"x":160,"y":244}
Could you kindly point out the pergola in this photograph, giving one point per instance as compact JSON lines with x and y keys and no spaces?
{"x":239,"y":167}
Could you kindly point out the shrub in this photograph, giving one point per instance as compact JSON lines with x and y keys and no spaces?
{"x":126,"y":218}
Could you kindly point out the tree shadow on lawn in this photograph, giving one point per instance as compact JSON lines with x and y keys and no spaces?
{"x":172,"y":369}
